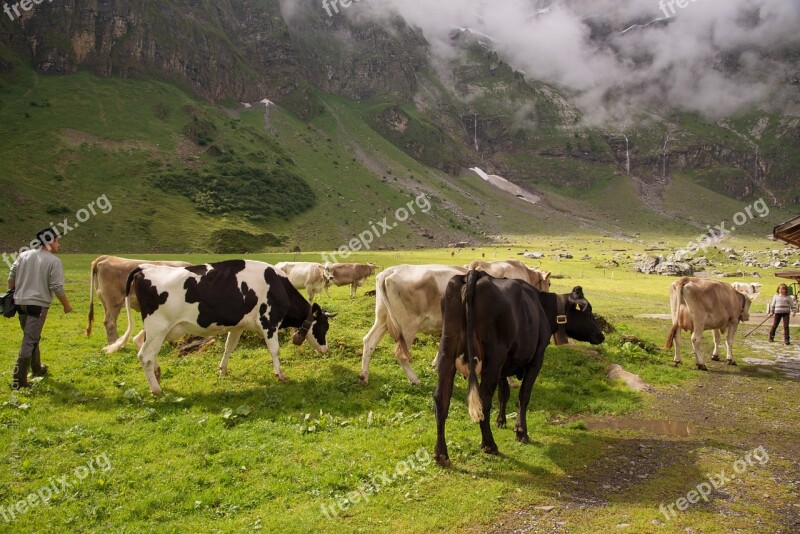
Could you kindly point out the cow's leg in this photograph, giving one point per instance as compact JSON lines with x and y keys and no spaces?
{"x":677,"y":343}
{"x":441,"y":399}
{"x":490,"y":378}
{"x":525,"y":395}
{"x":697,"y":335}
{"x":311,"y":294}
{"x":274,"y":350}
{"x":353,"y":287}
{"x":139,"y":339}
{"x":715,"y":354}
{"x":402,"y":358}
{"x":230,"y":345}
{"x":729,"y":344}
{"x":371,"y":341}
{"x":503,"y":393}
{"x":110,"y":320}
{"x":147,"y":358}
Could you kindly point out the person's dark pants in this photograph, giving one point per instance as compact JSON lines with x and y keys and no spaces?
{"x":31,"y":319}
{"x":778,"y":318}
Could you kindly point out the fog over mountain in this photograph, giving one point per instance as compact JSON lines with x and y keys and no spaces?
{"x":712,"y":56}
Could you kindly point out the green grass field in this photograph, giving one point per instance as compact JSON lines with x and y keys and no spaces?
{"x":245,"y":452}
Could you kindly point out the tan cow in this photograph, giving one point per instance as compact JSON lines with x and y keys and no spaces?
{"x":306,"y":275}
{"x":352,"y":274}
{"x":514,"y":269}
{"x":408,"y":300}
{"x":698,"y":305}
{"x":108,"y":274}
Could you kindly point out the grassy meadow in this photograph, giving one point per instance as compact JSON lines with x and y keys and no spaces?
{"x":247,"y":453}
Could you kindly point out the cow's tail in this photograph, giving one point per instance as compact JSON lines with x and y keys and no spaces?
{"x":92,"y":278}
{"x":401,"y":350}
{"x":474,"y":398}
{"x":675,"y":302}
{"x":118,"y":344}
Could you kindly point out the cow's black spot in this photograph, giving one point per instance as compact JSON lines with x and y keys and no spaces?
{"x":198,"y":269}
{"x":277,"y":298}
{"x":222,"y":301}
{"x":266,"y":324}
{"x":148,"y":296}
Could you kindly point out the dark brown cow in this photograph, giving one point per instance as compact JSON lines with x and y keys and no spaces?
{"x":108,"y":274}
{"x":502,"y":327}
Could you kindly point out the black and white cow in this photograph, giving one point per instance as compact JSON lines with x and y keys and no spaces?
{"x":230,"y":296}
{"x":501,"y":327}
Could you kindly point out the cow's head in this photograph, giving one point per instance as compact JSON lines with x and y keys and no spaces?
{"x":327,"y":275}
{"x":745,"y":316}
{"x":315,"y":329}
{"x":540,"y":279}
{"x":581,"y":324}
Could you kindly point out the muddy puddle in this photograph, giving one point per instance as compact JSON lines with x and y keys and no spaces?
{"x":659,"y":427}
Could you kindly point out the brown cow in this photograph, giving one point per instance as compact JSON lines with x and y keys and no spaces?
{"x":109,"y":274}
{"x":514,"y":269}
{"x":698,"y":305}
{"x":353,"y":274}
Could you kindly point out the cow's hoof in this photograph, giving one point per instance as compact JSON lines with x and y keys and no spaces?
{"x":443,"y":460}
{"x":281,"y":377}
{"x":715,"y":357}
{"x":523,"y":438}
{"x":676,"y":364}
{"x":501,"y":423}
{"x":416,"y":382}
{"x":157,"y":392}
{"x":702,"y":367}
{"x":731,"y":362}
{"x":223,"y":372}
{"x":490,"y":449}
{"x":363,"y":380}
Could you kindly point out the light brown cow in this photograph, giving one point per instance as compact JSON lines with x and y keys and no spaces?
{"x":353,"y":274}
{"x":408,"y":300}
{"x":514,"y":269}
{"x":308,"y":275}
{"x":108,"y":274}
{"x":698,"y":305}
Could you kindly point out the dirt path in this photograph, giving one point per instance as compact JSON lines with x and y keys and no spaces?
{"x":730,"y":411}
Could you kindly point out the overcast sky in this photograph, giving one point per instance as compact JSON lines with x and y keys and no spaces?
{"x":550,"y":41}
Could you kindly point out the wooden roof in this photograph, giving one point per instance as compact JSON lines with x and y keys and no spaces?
{"x":788,"y":232}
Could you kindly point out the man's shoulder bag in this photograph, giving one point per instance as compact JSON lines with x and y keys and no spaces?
{"x":7,"y":306}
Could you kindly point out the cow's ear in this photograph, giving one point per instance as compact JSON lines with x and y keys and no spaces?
{"x":315,"y":309}
{"x":547,"y":275}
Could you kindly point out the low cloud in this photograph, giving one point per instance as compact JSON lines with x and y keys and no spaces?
{"x":711,"y":56}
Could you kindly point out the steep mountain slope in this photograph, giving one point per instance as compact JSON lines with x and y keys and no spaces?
{"x":143,"y":103}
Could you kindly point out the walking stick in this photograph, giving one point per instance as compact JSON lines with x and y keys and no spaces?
{"x":759,"y":326}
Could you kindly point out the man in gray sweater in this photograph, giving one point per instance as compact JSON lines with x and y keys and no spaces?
{"x":35,"y":277}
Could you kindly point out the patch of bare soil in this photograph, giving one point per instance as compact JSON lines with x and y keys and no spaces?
{"x":731,"y":410}
{"x":77,"y":138}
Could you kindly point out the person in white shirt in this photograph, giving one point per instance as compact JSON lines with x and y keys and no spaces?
{"x":781,"y":306}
